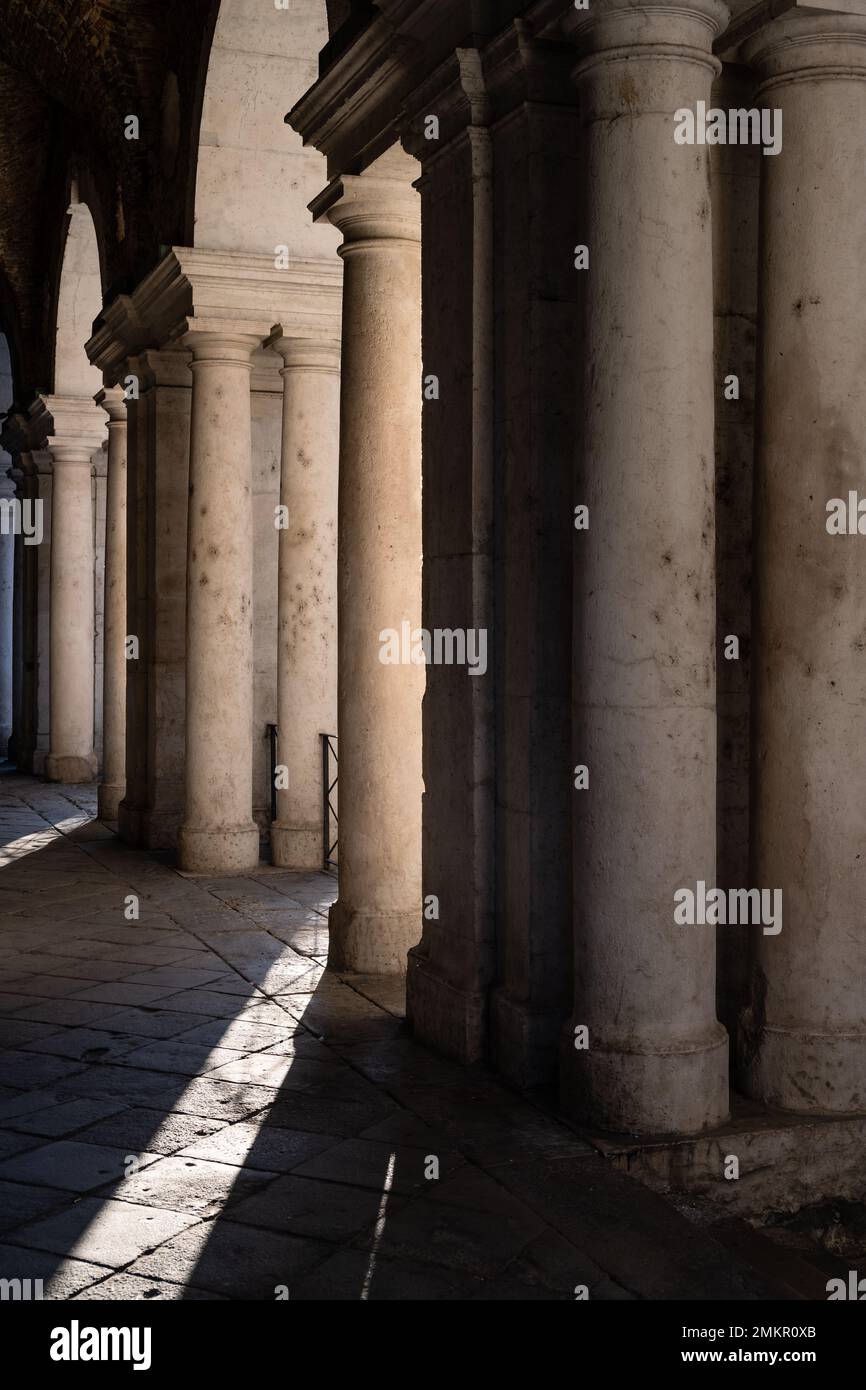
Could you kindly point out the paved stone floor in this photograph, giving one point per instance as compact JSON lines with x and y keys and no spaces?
{"x":192,"y":1107}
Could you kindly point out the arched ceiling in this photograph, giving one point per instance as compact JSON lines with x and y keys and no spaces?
{"x":71,"y":71}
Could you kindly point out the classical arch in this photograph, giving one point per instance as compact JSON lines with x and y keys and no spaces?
{"x":79,"y":301}
{"x":254,"y":177}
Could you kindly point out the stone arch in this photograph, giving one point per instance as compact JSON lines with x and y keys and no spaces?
{"x":79,"y":302}
{"x":254,"y":177}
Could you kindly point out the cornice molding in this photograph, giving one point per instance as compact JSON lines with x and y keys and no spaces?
{"x":198,"y":290}
{"x":76,"y":425}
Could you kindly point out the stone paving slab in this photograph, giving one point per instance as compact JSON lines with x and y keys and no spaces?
{"x":67,"y":1163}
{"x":62,"y":1277}
{"x":192,"y":1107}
{"x":260,"y":1146}
{"x":139,"y":1127}
{"x":228,"y":1258}
{"x":21,"y":1202}
{"x":102,"y":1231}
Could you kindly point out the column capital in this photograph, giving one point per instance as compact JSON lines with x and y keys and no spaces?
{"x":620,"y":30}
{"x":194,"y":292}
{"x":76,"y":430}
{"x":211,"y":345}
{"x":314,"y":355}
{"x":112,"y":399}
{"x":378,"y":205}
{"x":799,"y":46}
{"x":168,"y":366}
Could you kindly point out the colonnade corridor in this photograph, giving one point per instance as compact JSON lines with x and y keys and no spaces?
{"x":432,"y":670}
{"x":191,"y":1107}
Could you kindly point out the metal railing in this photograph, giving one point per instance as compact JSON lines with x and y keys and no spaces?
{"x":329,"y":810}
{"x":272,"y":737}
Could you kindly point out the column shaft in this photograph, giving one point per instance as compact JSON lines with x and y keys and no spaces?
{"x":307,"y":623}
{"x":218,"y":834}
{"x":804,"y":1038}
{"x":71,"y":757}
{"x":158,"y":433}
{"x":37,"y":635}
{"x":112,"y":786}
{"x":644,"y":625}
{"x":378,"y":915}
{"x":7,"y":580}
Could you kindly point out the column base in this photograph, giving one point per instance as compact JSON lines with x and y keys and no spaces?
{"x":370,"y":943}
{"x":525,"y":1041}
{"x":65,"y":767}
{"x":295,"y":847}
{"x":680,"y":1091}
{"x":452,"y":1020}
{"x":108,"y":798}
{"x":809,"y":1073}
{"x":220,"y":851}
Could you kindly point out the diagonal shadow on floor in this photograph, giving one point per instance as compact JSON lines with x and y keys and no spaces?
{"x":192,"y":1106}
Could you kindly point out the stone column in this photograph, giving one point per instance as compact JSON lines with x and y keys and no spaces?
{"x":112,"y":786}
{"x":7,"y":573}
{"x":377,"y":917}
{"x":76,"y":434}
{"x":37,"y":580}
{"x":307,"y":641}
{"x":98,"y":491}
{"x":644,"y":628}
{"x":13,"y":747}
{"x":734,"y":188}
{"x":804,"y":1039}
{"x":218,"y":834}
{"x":452,"y":967}
{"x":157,"y":495}
{"x":31,"y":562}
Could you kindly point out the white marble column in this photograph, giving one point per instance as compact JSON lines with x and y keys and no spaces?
{"x":803,"y":1043}
{"x":7,"y":573}
{"x":644,"y":673}
{"x":112,"y":786}
{"x":377,"y":917}
{"x":77,"y":430}
{"x":307,"y":623}
{"x":218,"y":834}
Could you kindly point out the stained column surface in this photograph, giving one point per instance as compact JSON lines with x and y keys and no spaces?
{"x":644,"y":678}
{"x":78,"y":428}
{"x":804,"y":1040}
{"x":218,"y":834}
{"x":7,"y":572}
{"x":112,"y":786}
{"x":377,"y":917}
{"x":307,"y":640}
